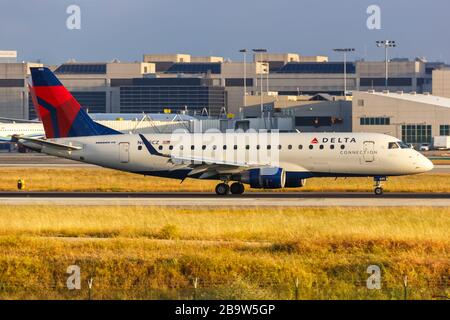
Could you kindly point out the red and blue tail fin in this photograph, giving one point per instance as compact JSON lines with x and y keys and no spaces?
{"x":59,"y":111}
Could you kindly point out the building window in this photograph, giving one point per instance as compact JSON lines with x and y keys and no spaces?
{"x":94,"y":101}
{"x":444,"y":130}
{"x":360,"y":102}
{"x":375,"y":121}
{"x":416,"y":133}
{"x":314,"y":121}
{"x":238,"y":82}
{"x":380,"y":82}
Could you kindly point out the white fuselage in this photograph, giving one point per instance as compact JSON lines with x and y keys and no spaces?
{"x":315,"y":154}
{"x":8,"y":130}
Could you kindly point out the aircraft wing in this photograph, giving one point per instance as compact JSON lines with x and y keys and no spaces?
{"x":51,"y":144}
{"x":207,"y":167}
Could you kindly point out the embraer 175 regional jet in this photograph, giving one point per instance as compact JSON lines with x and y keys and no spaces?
{"x":267,"y":160}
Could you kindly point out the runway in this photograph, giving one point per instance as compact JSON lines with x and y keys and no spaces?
{"x":193,"y":199}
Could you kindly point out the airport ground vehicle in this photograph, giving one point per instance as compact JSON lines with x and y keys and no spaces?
{"x":441,"y":142}
{"x":259,"y":159}
{"x":424,"y":147}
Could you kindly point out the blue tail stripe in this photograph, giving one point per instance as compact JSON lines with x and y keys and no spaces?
{"x":53,"y":115}
{"x":149,"y":146}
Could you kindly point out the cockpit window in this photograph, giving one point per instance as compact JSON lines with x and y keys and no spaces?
{"x":404,"y":145}
{"x":393,"y":145}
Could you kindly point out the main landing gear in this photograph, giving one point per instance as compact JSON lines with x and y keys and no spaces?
{"x":378,"y":188}
{"x":223,"y":188}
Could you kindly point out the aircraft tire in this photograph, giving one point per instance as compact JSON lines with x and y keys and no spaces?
{"x":222,"y":189}
{"x":378,"y":191}
{"x":237,"y":188}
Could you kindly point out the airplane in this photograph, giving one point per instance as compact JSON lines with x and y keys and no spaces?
{"x":10,"y":131}
{"x":265,"y":160}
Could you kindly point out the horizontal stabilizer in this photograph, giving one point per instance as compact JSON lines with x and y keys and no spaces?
{"x":46,"y":143}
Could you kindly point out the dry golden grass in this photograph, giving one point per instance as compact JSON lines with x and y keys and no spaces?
{"x":440,"y":161}
{"x":156,"y":252}
{"x":89,"y":179}
{"x":203,"y":223}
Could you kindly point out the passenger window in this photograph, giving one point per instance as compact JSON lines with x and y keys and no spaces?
{"x":321,"y":147}
{"x":393,"y":145}
{"x":290,"y":146}
{"x":235,"y":147}
{"x":139,"y":147}
{"x":269,"y":147}
{"x":192,"y":147}
{"x":203,"y":147}
{"x":279,"y":147}
{"x":160,"y":147}
{"x":300,"y":147}
{"x":247,"y":147}
{"x":342,"y":146}
{"x":257,"y":147}
{"x":331,"y":146}
{"x":170,"y":147}
{"x":224,"y":147}
{"x":311,"y":147}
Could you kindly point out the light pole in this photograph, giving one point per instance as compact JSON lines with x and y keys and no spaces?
{"x":260,"y":51}
{"x":244,"y":52}
{"x":386,"y":44}
{"x":345,"y":51}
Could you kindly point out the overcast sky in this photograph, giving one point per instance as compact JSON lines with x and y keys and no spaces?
{"x":127,"y":29}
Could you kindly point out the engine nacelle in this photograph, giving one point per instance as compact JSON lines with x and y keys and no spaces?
{"x":265,"y":178}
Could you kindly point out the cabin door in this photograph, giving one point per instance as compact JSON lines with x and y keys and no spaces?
{"x":124,"y":152}
{"x":368,"y":151}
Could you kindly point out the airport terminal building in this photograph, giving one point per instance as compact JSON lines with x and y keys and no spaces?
{"x":302,"y":93}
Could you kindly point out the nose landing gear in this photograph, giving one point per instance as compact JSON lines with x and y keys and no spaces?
{"x":378,"y":188}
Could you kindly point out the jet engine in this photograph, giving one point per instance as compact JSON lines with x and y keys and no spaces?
{"x":265,"y":178}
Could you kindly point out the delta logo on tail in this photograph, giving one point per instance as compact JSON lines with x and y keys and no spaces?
{"x":61,"y":114}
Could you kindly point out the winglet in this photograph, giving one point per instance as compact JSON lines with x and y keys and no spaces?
{"x":149,"y":147}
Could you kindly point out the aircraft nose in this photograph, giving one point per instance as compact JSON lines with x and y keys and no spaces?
{"x":424,"y":164}
{"x":427,"y":165}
